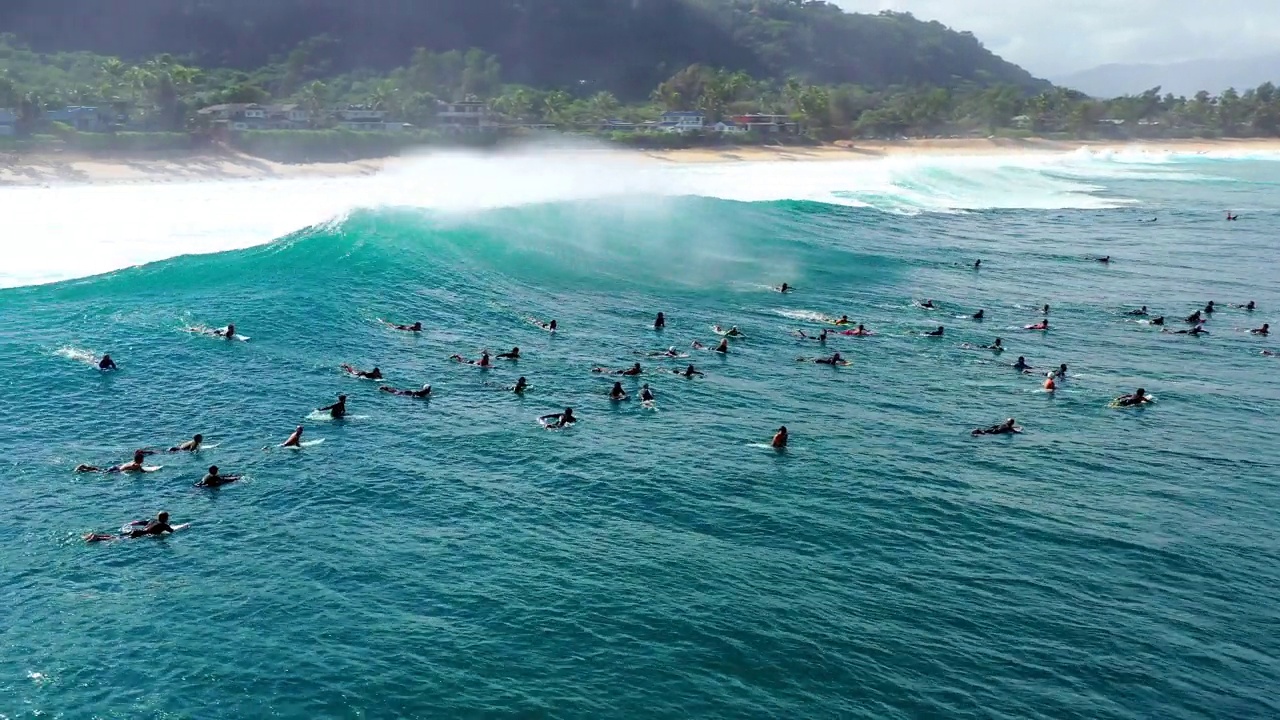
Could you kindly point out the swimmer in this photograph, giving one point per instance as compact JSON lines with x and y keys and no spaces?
{"x":520,"y":386}
{"x":780,"y":438}
{"x":1022,"y":365}
{"x":1049,"y":384}
{"x":936,"y":333}
{"x":416,"y":327}
{"x":1106,"y":259}
{"x":844,"y":320}
{"x":1264,"y":330}
{"x":977,"y":264}
{"x":338,"y":410}
{"x":563,"y":419}
{"x":133,"y":466}
{"x":860,"y":331}
{"x":1231,"y":216}
{"x":979,"y":315}
{"x":617,"y":394}
{"x":784,"y":288}
{"x":374,"y":374}
{"x":1208,"y":309}
{"x":927,"y":305}
{"x":514,"y":354}
{"x":1195,"y":318}
{"x":1197,"y":330}
{"x":1045,"y":309}
{"x":1061,"y":372}
{"x":1008,"y":427}
{"x":689,"y":372}
{"x":191,"y":445}
{"x":215,"y":480}
{"x":1138,"y":313}
{"x":106,"y":363}
{"x":631,"y":371}
{"x":484,"y":361}
{"x":295,"y":440}
{"x":833,"y":360}
{"x":1158,"y":320}
{"x":660,"y":322}
{"x":1042,"y":325}
{"x":137,"y":529}
{"x":228,"y":332}
{"x":723,"y":347}
{"x":1139,"y":397}
{"x":421,"y":394}
{"x":646,"y":395}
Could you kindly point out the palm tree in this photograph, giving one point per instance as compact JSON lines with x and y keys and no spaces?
{"x":314,"y":98}
{"x":555,"y":104}
{"x":603,"y":104}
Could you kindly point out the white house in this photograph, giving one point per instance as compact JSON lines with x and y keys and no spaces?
{"x":682,"y":120}
{"x":465,"y":116}
{"x":728,"y":127}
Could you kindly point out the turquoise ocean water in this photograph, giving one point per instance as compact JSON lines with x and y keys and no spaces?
{"x":452,"y":559}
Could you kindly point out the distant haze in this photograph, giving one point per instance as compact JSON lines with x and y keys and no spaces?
{"x":1186,"y":78}
{"x":1055,"y":38}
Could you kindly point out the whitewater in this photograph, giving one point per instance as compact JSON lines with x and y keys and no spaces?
{"x":450,"y":557}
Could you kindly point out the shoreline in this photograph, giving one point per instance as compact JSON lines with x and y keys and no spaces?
{"x":46,"y":168}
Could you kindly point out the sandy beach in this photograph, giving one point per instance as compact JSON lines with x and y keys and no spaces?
{"x":46,"y":168}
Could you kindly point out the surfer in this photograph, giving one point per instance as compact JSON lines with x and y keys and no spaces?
{"x":1197,"y":330}
{"x":660,"y":322}
{"x":780,"y":438}
{"x":927,"y":305}
{"x":617,"y":393}
{"x":860,"y":331}
{"x":646,"y":395}
{"x":416,"y":327}
{"x":1104,"y":260}
{"x":338,"y":410}
{"x":514,"y":354}
{"x":133,"y":466}
{"x":1138,"y":313}
{"x":979,"y":315}
{"x":1022,"y":365}
{"x":1008,"y":427}
{"x":723,"y":347}
{"x":228,"y":332}
{"x":844,"y":320}
{"x":732,"y":332}
{"x":1195,"y":318}
{"x":563,"y":419}
{"x":1208,"y":309}
{"x":1045,"y":310}
{"x":425,"y":392}
{"x":668,"y":353}
{"x":997,"y":346}
{"x":191,"y":445}
{"x":1042,"y":325}
{"x":1139,"y":397}
{"x":106,"y":363}
{"x":1249,"y":306}
{"x":549,"y":327}
{"x":821,"y":337}
{"x":689,"y":372}
{"x":374,"y":374}
{"x":520,"y":386}
{"x":1264,"y":330}
{"x":483,"y":362}
{"x":295,"y":440}
{"x":835,"y":359}
{"x":1049,"y":384}
{"x":1231,"y":216}
{"x":215,"y":480}
{"x":1158,"y":320}
{"x":784,"y":288}
{"x":1061,"y":372}
{"x":977,"y":264}
{"x":632,"y":371}
{"x":936,"y":333}
{"x":137,"y":529}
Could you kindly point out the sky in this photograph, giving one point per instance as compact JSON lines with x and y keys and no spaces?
{"x":1056,"y":37}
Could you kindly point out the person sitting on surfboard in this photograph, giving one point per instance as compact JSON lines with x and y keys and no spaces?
{"x":337,"y":410}
{"x":927,"y":305}
{"x":689,"y":372}
{"x":977,"y":264}
{"x":374,"y":374}
{"x":784,"y":288}
{"x":1138,"y":397}
{"x":216,"y":480}
{"x":1264,"y":330}
{"x":106,"y":363}
{"x":1045,"y":310}
{"x":520,"y":386}
{"x":420,"y":394}
{"x":295,"y":439}
{"x":646,"y":395}
{"x":549,"y":327}
{"x":1195,"y":318}
{"x":979,"y":315}
{"x":1005,"y":428}
{"x":1022,"y":364}
{"x":132,"y":466}
{"x":723,"y":347}
{"x":780,"y":438}
{"x":617,"y":393}
{"x":660,"y":322}
{"x":936,"y":333}
{"x":563,"y":419}
{"x":416,"y":327}
{"x":228,"y":332}
{"x":137,"y":529}
{"x":1142,"y":312}
{"x":997,"y":346}
{"x":1061,"y":372}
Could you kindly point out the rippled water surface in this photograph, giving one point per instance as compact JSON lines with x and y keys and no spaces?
{"x":451,"y":558}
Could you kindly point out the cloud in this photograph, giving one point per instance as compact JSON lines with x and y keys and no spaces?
{"x":1053,"y":37}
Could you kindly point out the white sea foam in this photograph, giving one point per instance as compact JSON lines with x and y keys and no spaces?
{"x":63,"y":232}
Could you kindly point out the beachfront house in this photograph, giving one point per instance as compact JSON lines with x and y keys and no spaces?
{"x":467,"y":116}
{"x":766,"y":123}
{"x":728,"y":127}
{"x":364,"y":118}
{"x":682,"y":121}
{"x":237,"y":116}
{"x":83,"y":119}
{"x":288,"y":117}
{"x":8,"y":122}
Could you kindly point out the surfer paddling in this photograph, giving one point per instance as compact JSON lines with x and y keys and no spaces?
{"x":139,"y":528}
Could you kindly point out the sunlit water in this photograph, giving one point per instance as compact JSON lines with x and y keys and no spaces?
{"x":452,"y":558}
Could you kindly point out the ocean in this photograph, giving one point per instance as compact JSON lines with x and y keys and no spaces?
{"x":451,"y":558}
